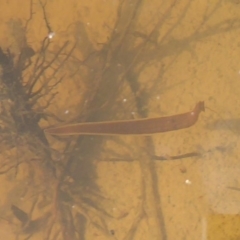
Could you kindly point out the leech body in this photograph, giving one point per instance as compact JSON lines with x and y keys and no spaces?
{"x":145,"y":126}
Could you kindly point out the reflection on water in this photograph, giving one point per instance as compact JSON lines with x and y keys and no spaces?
{"x":113,"y":61}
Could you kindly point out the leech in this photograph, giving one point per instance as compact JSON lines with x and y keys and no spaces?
{"x":145,"y":126}
{"x":186,"y":155}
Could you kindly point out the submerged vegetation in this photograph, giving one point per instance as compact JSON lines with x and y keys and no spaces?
{"x":56,"y":176}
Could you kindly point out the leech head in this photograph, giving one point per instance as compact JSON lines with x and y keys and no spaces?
{"x":199,"y":108}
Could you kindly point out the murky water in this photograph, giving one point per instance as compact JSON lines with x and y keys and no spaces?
{"x":105,"y":60}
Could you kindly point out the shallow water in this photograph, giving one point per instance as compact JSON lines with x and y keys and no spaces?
{"x":115,"y":60}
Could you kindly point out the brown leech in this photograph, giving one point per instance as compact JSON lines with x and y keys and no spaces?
{"x":145,"y":126}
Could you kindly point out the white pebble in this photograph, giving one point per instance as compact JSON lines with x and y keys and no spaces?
{"x":188,"y":182}
{"x":51,"y":35}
